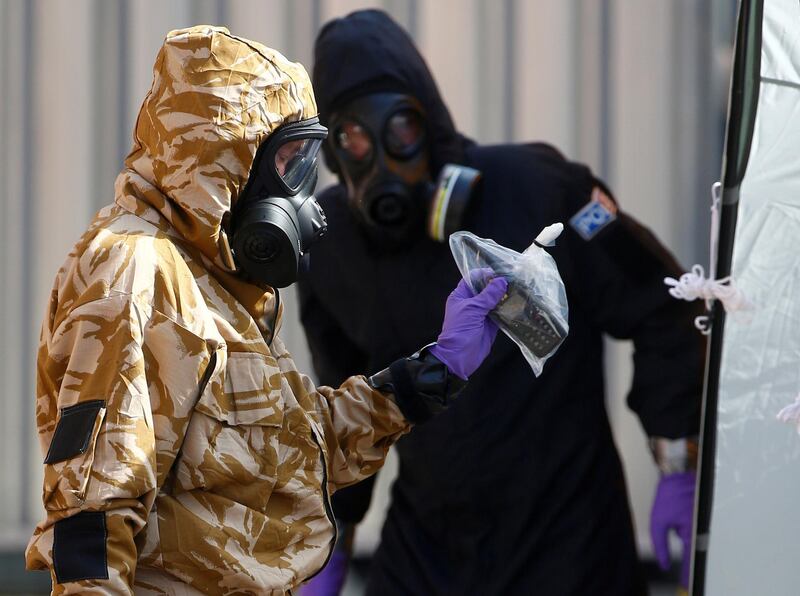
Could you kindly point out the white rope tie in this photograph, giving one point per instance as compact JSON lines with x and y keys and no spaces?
{"x":695,"y":285}
{"x":791,"y":414}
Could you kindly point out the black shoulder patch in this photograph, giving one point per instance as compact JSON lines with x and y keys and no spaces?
{"x":79,"y":547}
{"x":73,"y":431}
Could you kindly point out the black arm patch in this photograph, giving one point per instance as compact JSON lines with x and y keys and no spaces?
{"x":79,"y":547}
{"x":74,"y":430}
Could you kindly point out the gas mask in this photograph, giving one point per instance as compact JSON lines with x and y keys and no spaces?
{"x":276,"y":218}
{"x":381,"y":150}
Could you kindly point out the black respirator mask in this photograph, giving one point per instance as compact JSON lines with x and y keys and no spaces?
{"x":380,"y":147}
{"x":276,"y":218}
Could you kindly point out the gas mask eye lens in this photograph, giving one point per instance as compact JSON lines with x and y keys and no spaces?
{"x":354,"y":140}
{"x":404,"y":133}
{"x":285,"y":155}
{"x":294,"y":159}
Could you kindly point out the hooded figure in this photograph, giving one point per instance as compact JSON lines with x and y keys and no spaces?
{"x":530,"y":499}
{"x":184,"y":453}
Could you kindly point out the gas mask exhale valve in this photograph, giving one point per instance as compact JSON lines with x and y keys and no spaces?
{"x":277,"y":219}
{"x":381,"y":151}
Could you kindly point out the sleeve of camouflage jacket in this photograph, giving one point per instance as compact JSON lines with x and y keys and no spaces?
{"x":96,"y":429}
{"x":357,"y":423}
{"x":360,"y":425}
{"x":363,"y":417}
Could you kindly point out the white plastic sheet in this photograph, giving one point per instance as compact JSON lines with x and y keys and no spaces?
{"x":753,"y":544}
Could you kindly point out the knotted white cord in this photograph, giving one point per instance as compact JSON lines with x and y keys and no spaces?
{"x":694,"y":284}
{"x":791,"y":414}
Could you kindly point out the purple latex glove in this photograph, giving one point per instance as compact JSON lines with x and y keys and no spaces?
{"x":673,"y":508}
{"x":330,"y":580}
{"x":467,"y":335}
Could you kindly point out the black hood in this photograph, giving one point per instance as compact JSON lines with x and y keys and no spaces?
{"x":367,"y":52}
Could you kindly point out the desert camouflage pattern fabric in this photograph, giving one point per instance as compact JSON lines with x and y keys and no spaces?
{"x":212,"y":457}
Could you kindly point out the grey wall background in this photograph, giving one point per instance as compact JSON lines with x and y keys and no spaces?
{"x":634,"y":88}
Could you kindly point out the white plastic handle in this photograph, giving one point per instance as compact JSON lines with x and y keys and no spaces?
{"x":547,"y":237}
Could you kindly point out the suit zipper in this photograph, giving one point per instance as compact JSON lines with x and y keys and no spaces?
{"x":326,"y":499}
{"x":325,"y":496}
{"x":212,"y":365}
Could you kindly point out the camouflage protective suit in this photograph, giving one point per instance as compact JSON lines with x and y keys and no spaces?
{"x":184,"y":453}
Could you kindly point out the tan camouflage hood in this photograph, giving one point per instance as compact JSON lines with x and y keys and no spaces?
{"x":214,"y":99}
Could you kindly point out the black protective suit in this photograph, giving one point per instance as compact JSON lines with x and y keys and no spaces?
{"x":518,"y":488}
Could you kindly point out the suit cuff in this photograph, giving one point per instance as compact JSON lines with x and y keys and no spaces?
{"x":421,"y":384}
{"x":674,"y":456}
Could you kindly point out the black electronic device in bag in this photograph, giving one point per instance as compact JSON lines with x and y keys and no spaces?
{"x":519,"y":313}
{"x":529,"y":321}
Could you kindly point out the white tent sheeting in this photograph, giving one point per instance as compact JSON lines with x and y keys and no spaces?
{"x":754,"y":537}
